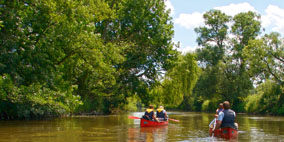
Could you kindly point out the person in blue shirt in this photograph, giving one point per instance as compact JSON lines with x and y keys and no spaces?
{"x":220,"y":108}
{"x":226,"y":118}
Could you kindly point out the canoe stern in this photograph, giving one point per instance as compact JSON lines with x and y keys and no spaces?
{"x":148,"y":123}
{"x":227,"y":133}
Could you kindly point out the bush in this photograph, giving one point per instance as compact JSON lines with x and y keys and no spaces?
{"x":205,"y":105}
{"x":209,"y":105}
{"x":267,"y":99}
{"x":252,"y":103}
{"x":35,"y":100}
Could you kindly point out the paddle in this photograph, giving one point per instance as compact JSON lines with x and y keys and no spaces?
{"x":214,"y":126}
{"x":133,"y":117}
{"x":174,"y":120}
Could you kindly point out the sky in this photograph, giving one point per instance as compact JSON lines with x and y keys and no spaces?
{"x":187,"y":15}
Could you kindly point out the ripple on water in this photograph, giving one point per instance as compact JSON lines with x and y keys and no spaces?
{"x":193,"y":127}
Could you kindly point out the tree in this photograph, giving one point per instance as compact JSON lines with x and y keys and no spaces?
{"x":266,"y":65}
{"x":265,"y":57}
{"x":212,"y":37}
{"x":50,"y":46}
{"x":266,"y":98}
{"x":176,"y":88}
{"x":225,"y":72}
{"x":147,"y":27}
{"x":246,"y":26}
{"x":97,"y":50}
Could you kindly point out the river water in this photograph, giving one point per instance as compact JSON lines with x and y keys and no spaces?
{"x":192,"y":127}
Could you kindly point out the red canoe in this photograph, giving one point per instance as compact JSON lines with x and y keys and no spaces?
{"x":227,"y":133}
{"x":148,"y":123}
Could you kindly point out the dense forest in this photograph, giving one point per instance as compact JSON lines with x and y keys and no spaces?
{"x":107,"y":56}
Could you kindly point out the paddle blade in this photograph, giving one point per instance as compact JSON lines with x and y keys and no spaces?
{"x":133,"y":117}
{"x":174,"y":120}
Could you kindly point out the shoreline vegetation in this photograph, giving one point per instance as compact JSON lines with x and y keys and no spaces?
{"x":61,"y":58}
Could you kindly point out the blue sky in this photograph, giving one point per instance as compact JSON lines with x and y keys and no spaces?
{"x":187,"y":15}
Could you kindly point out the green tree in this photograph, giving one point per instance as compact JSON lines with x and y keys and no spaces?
{"x":176,"y":88}
{"x":98,"y":50}
{"x":265,"y":57}
{"x":246,"y":26}
{"x":147,"y":26}
{"x":222,"y":58}
{"x":51,"y":45}
{"x":212,"y":37}
{"x":265,"y":60}
{"x":267,"y":98}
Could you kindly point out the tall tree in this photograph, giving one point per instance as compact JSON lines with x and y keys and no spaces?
{"x":225,"y":71}
{"x":265,"y":57}
{"x":246,"y":26}
{"x":176,"y":88}
{"x":213,"y":39}
{"x":49,"y":50}
{"x":147,"y":26}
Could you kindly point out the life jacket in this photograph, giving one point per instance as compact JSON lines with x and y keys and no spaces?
{"x":229,"y":119}
{"x":149,"y":113}
{"x":160,"y":113}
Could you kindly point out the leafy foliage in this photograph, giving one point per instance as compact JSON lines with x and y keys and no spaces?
{"x":35,"y":100}
{"x":268,"y":98}
{"x":265,"y":57}
{"x":225,"y":76}
{"x":176,"y":88}
{"x":57,"y":53}
{"x":77,"y":56}
{"x":212,"y":37}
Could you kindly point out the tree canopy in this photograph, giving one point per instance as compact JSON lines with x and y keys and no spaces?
{"x":60,"y":57}
{"x":103,"y":56}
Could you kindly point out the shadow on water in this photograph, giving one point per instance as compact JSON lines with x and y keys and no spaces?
{"x":192,"y":127}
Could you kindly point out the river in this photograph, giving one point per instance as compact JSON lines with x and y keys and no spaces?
{"x":192,"y":127}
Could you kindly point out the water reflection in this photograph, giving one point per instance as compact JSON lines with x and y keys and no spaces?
{"x":151,"y":134}
{"x":261,"y":128}
{"x":192,"y":127}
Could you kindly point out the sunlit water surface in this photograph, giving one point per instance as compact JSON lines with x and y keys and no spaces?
{"x":192,"y":127}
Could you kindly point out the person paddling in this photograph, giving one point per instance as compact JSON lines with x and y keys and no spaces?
{"x":149,"y":114}
{"x":162,"y":114}
{"x":226,"y":118}
{"x":220,"y":108}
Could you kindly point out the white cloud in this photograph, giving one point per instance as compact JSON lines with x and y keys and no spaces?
{"x":234,"y":9}
{"x":193,"y":20}
{"x":170,"y":6}
{"x":190,"y":21}
{"x":265,"y":20}
{"x":274,"y":17}
{"x":187,"y":49}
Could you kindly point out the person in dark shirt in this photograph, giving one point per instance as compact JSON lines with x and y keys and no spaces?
{"x":162,"y":114}
{"x":149,"y":114}
{"x":226,"y":118}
